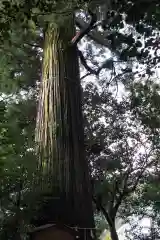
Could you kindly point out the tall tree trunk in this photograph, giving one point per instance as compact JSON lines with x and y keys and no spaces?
{"x":59,"y":130}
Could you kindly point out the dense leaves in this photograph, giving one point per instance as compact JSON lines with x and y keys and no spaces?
{"x":122,"y":150}
{"x":16,"y":159}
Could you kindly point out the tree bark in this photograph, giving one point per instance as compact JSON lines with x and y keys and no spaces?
{"x":114,"y":235}
{"x":62,"y":166}
{"x":110,"y":218}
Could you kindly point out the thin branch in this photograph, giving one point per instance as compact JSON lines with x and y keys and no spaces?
{"x":83,"y":61}
{"x":109,"y":64}
{"x":33,"y":45}
{"x":139,"y":177}
{"x":94,"y":35}
{"x":86,"y":75}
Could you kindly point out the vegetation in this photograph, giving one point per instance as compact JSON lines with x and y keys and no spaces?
{"x":53,"y":160}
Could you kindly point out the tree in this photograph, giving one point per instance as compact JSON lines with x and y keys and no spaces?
{"x":59,"y":131}
{"x":121,"y":152}
{"x":57,"y":125}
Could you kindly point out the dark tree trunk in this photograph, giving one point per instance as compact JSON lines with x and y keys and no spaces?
{"x":62,"y":166}
{"x":114,"y":235}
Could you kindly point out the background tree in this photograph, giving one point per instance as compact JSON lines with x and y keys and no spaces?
{"x":120,"y":154}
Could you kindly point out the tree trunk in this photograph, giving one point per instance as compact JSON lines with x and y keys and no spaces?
{"x":62,"y":167}
{"x":114,"y":235}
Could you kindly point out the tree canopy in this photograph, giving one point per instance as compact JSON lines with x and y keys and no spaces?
{"x":120,"y":53}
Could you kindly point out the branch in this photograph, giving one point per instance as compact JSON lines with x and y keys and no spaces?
{"x":85,"y":30}
{"x":139,"y":177}
{"x":83,"y":61}
{"x":99,"y":38}
{"x":102,"y":209}
{"x":109,"y":64}
{"x":33,"y":45}
{"x":119,"y":201}
{"x":86,"y":75}
{"x":143,"y":169}
{"x":113,"y":195}
{"x":123,"y":193}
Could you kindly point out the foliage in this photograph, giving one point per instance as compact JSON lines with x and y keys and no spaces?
{"x":114,"y":131}
{"x":18,"y":61}
{"x":121,"y":150}
{"x":17,"y":158}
